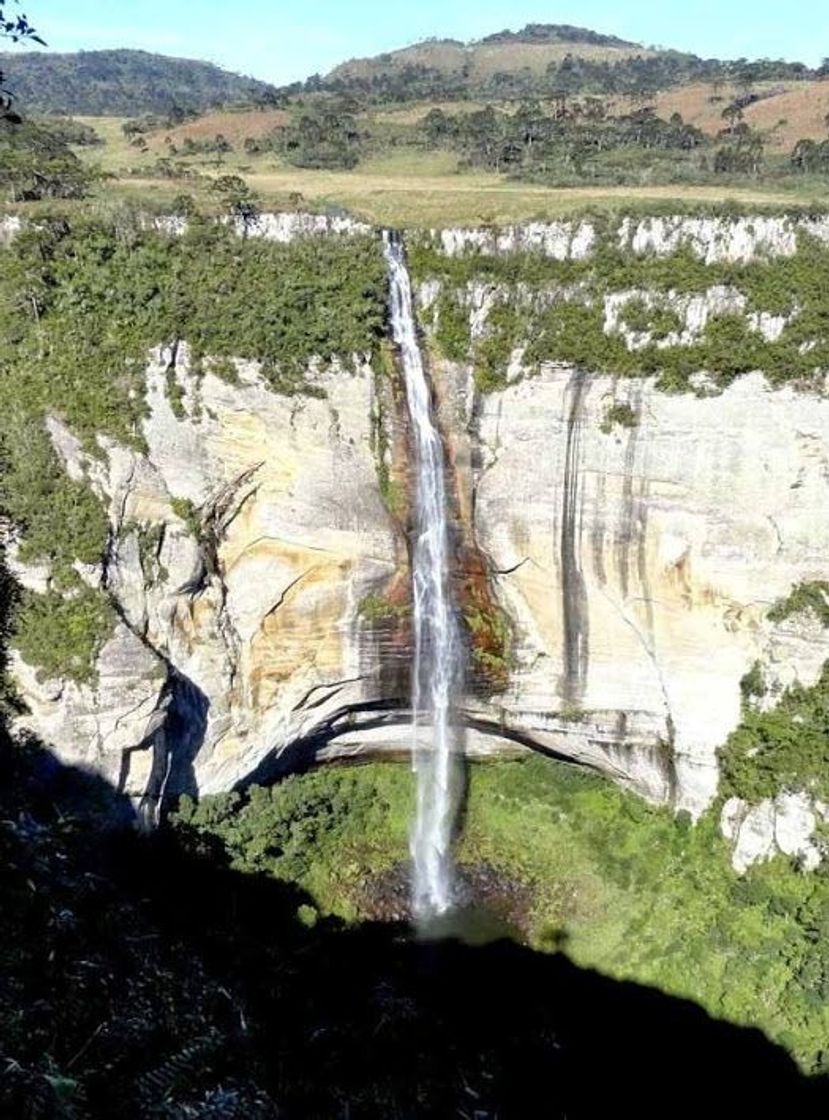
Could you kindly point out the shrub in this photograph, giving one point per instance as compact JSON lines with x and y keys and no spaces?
{"x":619,"y":414}
{"x":812,"y":596}
{"x":61,"y":635}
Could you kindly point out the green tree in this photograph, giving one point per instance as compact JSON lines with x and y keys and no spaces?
{"x":237,"y":198}
{"x":14,"y":26}
{"x":324,"y":136}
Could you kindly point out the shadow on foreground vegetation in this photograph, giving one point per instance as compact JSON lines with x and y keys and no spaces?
{"x":142,"y":977}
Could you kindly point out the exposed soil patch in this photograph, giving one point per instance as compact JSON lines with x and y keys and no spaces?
{"x":234,"y":126}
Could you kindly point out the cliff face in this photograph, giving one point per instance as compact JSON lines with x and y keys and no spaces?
{"x":240,"y":622}
{"x":633,"y":539}
{"x":639,"y":563}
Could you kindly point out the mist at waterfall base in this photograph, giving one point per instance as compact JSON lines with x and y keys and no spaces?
{"x":437,"y":669}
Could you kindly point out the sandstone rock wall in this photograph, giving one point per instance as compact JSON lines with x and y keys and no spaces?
{"x":712,"y":239}
{"x":636,"y":565}
{"x":255,"y":628}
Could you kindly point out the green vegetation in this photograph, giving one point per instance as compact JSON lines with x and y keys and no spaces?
{"x":150,"y":540}
{"x":753,"y":684}
{"x":324,"y":136}
{"x":451,"y":327}
{"x":785,"y":748}
{"x":190,"y":514}
{"x":387,"y":389}
{"x":71,"y":132}
{"x":90,"y":295}
{"x":647,"y":318}
{"x":637,"y":893}
{"x":61,"y":520}
{"x":326,"y":830}
{"x":554,"y":310}
{"x":619,"y":415}
{"x":36,"y":163}
{"x":123,"y":83}
{"x":812,"y":596}
{"x":83,"y":300}
{"x":490,"y":638}
{"x":376,"y":608}
{"x":569,"y":142}
{"x":490,"y":353}
{"x":62,"y":635}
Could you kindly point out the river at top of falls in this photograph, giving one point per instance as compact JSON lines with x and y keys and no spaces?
{"x":437,"y":646}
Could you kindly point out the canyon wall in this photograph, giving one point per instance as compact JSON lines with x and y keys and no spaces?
{"x":633,"y":539}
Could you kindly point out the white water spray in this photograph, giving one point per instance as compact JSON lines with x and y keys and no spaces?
{"x":436,"y":671}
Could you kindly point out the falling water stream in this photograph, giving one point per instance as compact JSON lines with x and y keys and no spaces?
{"x":437,"y":645}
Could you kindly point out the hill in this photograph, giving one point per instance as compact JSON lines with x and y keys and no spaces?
{"x":121,"y":83}
{"x":539,"y":61}
{"x":518,"y":124}
{"x":473,"y":65}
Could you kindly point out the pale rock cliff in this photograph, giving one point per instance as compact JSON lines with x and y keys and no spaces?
{"x":734,"y":240}
{"x":237,"y":645}
{"x":636,"y":565}
{"x":559,"y":240}
{"x":639,"y":564}
{"x":284,"y":226}
{"x":712,"y":239}
{"x":10,"y":226}
{"x":784,"y":825}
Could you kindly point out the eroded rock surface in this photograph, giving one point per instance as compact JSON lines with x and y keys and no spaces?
{"x":785,"y":824}
{"x":639,"y":563}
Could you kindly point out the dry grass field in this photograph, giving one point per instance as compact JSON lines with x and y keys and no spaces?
{"x":386,"y":195}
{"x":410,"y":188}
{"x":235,"y":126}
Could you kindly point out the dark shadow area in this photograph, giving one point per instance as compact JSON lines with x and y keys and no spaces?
{"x":141,"y":977}
{"x":176,"y":734}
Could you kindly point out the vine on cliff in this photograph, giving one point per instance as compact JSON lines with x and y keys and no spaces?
{"x":785,"y":748}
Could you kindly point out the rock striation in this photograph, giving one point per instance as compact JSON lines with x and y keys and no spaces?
{"x":638,"y":563}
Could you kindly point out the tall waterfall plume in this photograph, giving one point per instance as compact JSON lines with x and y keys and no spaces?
{"x":437,"y":646}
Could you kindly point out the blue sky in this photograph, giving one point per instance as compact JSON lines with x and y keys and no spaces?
{"x":284,"y":40}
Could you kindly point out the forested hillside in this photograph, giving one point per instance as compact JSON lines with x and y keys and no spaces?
{"x":121,"y":83}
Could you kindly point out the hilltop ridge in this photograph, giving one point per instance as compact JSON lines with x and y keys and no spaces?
{"x":557,"y":33}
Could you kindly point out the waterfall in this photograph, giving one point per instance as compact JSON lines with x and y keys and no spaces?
{"x":436,"y":670}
